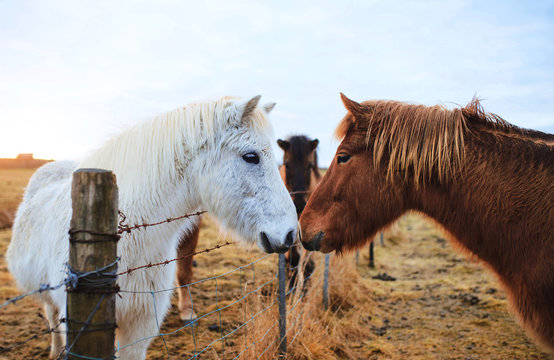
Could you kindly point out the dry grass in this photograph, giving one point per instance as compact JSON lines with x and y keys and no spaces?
{"x":12,"y":184}
{"x":441,"y":306}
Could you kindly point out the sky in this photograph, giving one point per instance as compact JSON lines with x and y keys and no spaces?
{"x":74,"y":73}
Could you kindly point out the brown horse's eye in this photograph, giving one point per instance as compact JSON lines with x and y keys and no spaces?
{"x":342,"y":158}
{"x":251,"y":158}
{"x":310,"y":166}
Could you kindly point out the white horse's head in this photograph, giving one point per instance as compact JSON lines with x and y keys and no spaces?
{"x":239,"y":182}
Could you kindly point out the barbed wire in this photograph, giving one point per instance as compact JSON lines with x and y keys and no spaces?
{"x":125,"y":228}
{"x":42,"y":288}
{"x":251,"y":318}
{"x":71,"y":280}
{"x":36,"y":336}
{"x":121,"y":228}
{"x":198,"y":281}
{"x":218,"y":246}
{"x":218,"y":310}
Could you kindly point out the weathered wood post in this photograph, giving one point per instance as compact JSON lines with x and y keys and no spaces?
{"x":326,"y":283}
{"x":282,"y":306}
{"x":93,"y":250}
{"x":371,"y":255}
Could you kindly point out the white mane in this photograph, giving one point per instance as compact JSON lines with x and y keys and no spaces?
{"x":157,"y":141}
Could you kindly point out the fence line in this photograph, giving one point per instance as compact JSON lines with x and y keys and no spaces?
{"x":90,"y":304}
{"x":270,"y":294}
{"x":122,"y":227}
{"x":207,"y":250}
{"x":244,"y":325}
{"x":197,"y":352}
{"x":371,"y":262}
{"x":33,"y":337}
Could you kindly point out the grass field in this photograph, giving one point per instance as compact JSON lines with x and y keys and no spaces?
{"x":12,"y":184}
{"x":441,"y":305}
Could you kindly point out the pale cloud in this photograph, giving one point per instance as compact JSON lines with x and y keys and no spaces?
{"x":76,"y":72}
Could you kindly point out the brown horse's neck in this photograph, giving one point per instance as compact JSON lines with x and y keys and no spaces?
{"x":493,"y":204}
{"x":500,"y":208}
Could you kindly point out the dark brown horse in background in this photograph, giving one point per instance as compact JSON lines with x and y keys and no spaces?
{"x":489,"y":184}
{"x":300,"y":172}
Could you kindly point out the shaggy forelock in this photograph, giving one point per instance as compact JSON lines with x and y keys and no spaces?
{"x":425,"y":139}
{"x":299,"y":146}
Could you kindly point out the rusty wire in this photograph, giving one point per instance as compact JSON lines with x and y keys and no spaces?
{"x":176,"y":259}
{"x":36,"y":336}
{"x":121,"y":228}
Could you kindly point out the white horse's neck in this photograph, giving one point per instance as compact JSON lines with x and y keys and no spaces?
{"x":150,"y":161}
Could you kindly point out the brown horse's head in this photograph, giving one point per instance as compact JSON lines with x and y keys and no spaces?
{"x":388,"y":149}
{"x":337,"y":214}
{"x":300,"y":162}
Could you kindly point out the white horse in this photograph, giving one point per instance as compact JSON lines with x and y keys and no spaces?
{"x":214,"y":156}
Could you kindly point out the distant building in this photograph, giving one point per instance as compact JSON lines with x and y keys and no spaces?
{"x":22,"y":161}
{"x":25,"y":157}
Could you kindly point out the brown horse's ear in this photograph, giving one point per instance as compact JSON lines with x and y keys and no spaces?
{"x":313,"y":144}
{"x":268,"y":107}
{"x":353,"y":107}
{"x":283,"y":144}
{"x":248,"y":107}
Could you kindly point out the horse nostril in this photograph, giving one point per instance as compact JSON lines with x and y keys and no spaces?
{"x":289,"y":239}
{"x":315,"y":243}
{"x":266,"y":244}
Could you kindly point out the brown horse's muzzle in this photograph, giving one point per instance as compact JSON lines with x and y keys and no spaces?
{"x":313,"y":244}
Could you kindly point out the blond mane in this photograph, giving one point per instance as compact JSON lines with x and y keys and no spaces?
{"x":424,"y":139}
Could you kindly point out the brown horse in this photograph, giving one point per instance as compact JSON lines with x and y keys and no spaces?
{"x":300,"y":172}
{"x":489,"y":184}
{"x":187,"y":246}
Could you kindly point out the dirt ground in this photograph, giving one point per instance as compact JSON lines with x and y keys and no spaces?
{"x":439,"y":306}
{"x":442,"y":305}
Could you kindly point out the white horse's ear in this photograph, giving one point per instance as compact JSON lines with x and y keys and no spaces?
{"x":268,"y":107}
{"x":246,"y":108}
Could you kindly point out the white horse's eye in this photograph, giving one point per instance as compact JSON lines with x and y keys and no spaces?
{"x":251,"y":158}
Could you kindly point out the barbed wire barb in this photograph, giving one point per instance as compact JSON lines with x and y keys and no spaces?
{"x":149,"y":265}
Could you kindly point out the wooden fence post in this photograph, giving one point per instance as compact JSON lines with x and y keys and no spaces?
{"x":326,"y":283}
{"x":282,"y":306}
{"x":371,"y":255}
{"x":93,"y":247}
